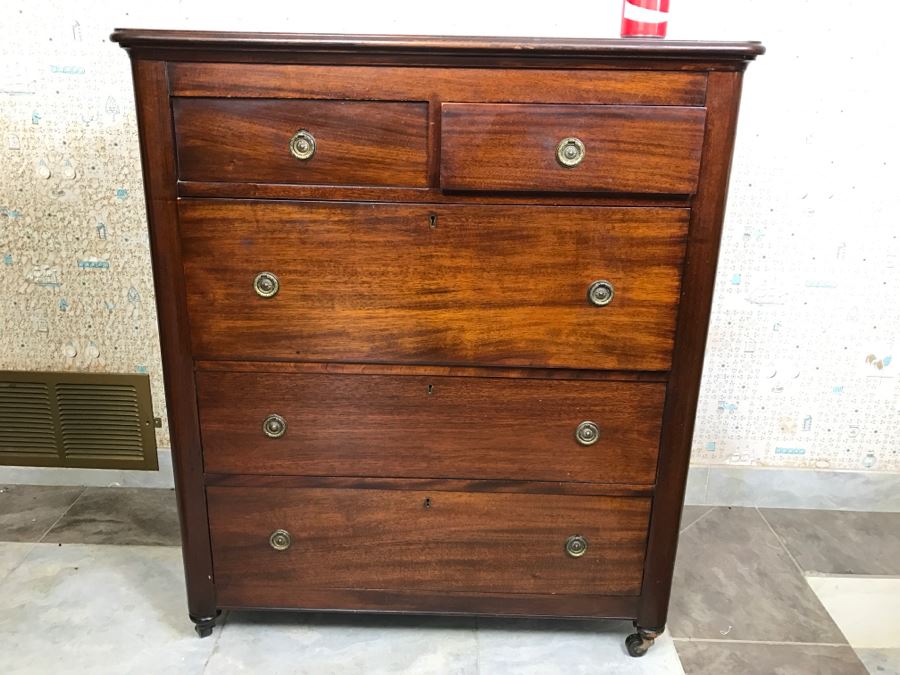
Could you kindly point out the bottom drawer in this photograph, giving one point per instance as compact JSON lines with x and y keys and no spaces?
{"x":421,"y":541}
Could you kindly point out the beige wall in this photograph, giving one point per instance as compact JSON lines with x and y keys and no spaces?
{"x":800,"y":368}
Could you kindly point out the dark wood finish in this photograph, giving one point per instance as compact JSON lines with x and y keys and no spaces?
{"x":421,"y":84}
{"x":276,"y":366}
{"x":421,"y":427}
{"x":459,"y":258}
{"x":432,"y":484}
{"x":459,"y":542}
{"x":479,"y":285}
{"x":418,"y":195}
{"x":158,"y":161}
{"x":693,"y":321}
{"x":584,"y":606}
{"x":519,"y":49}
{"x":357,"y":142}
{"x":634,"y":149}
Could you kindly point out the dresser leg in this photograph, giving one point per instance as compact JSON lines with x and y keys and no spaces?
{"x":638,"y":643}
{"x":204,"y":625}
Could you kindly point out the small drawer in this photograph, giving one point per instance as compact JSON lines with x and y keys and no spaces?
{"x":404,"y":426}
{"x":440,"y":284}
{"x":571,"y":148}
{"x":309,"y":539}
{"x":308,"y":142}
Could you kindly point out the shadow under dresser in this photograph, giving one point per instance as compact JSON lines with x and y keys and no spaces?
{"x":432,"y":313}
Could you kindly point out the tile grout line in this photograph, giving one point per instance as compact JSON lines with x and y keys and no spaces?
{"x":763,"y":642}
{"x":781,"y":543}
{"x":709,"y":510}
{"x":62,"y":515}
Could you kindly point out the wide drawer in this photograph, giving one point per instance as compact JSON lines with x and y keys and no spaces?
{"x":579,"y":148}
{"x":348,"y":142}
{"x":439,"y":284}
{"x":326,"y":424}
{"x":421,"y":541}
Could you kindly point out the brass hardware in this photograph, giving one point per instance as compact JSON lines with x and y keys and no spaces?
{"x":265,"y":284}
{"x":587,"y":433}
{"x":576,"y":546}
{"x":274,"y":426}
{"x":280,"y":540}
{"x":303,"y":145}
{"x":570,"y":152}
{"x":600,"y":293}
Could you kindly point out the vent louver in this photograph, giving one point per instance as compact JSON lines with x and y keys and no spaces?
{"x":84,"y":420}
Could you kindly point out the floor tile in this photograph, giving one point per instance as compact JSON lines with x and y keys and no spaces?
{"x":27,"y":511}
{"x":880,"y":661}
{"x":11,"y":554}
{"x":691,"y":514}
{"x":734,"y":580}
{"x":320,"y":644}
{"x":98,"y":609}
{"x":141,"y":516}
{"x":545,"y":647}
{"x":867,"y":609}
{"x":839,"y":542}
{"x":744,"y":658}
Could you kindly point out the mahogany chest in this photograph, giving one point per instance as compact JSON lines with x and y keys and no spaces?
{"x":432,"y":313}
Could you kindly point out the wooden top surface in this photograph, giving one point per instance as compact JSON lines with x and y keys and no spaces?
{"x":421,"y":44}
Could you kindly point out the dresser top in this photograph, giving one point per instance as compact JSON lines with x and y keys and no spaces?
{"x":435,"y":46}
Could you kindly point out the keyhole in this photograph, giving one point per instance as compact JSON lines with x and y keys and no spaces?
{"x":432,"y":221}
{"x":427,"y":503}
{"x":430,"y":389}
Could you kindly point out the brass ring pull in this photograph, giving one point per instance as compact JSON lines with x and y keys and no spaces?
{"x":265,"y":284}
{"x":303,"y":145}
{"x":576,"y":546}
{"x":274,"y":426}
{"x":280,"y":540}
{"x":587,"y":433}
{"x":570,"y":152}
{"x":600,"y":293}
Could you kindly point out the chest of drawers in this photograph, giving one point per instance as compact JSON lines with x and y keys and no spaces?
{"x":432,"y":313}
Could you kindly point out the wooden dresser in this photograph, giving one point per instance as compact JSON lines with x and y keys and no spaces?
{"x":433,"y":313}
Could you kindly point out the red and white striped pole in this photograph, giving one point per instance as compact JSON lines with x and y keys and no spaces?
{"x":645,"y":18}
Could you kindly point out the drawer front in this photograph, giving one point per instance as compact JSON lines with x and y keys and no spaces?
{"x":627,"y":149}
{"x":421,"y":541}
{"x":355,"y":142}
{"x":421,"y":427}
{"x":455,"y":284}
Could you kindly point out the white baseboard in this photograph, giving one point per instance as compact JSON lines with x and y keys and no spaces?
{"x":793,"y":488}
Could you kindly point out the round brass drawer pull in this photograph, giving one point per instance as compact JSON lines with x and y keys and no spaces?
{"x":570,"y":152}
{"x":576,"y":546}
{"x":587,"y":433}
{"x":265,"y":284}
{"x":303,"y":145}
{"x":600,"y":293}
{"x":280,"y":540}
{"x":274,"y":426}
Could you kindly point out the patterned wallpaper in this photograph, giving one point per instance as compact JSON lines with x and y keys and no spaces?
{"x":802,"y":366}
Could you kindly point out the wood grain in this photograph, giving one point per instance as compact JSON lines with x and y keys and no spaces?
{"x":629,"y":149}
{"x":357,"y":143}
{"x":429,"y":427}
{"x":421,"y":84}
{"x":693,"y":324}
{"x":158,"y":160}
{"x":485,"y":285}
{"x":433,"y":542}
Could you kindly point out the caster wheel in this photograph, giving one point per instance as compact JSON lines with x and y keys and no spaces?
{"x":204,"y":629}
{"x":637,"y":645}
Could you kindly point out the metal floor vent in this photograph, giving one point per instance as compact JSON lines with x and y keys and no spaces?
{"x":88,"y":420}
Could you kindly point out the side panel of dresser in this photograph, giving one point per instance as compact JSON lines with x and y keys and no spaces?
{"x":698,"y":281}
{"x":158,"y":159}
